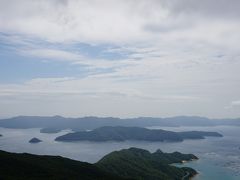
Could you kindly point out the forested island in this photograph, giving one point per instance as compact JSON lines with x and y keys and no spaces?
{"x":132,"y":163}
{"x":34,"y":140}
{"x":120,"y":133}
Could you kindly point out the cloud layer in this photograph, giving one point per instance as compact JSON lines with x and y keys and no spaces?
{"x":135,"y":58}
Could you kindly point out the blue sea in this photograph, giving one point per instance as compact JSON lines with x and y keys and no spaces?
{"x":219,"y":158}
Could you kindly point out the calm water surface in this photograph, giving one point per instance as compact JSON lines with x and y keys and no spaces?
{"x":219,"y":157}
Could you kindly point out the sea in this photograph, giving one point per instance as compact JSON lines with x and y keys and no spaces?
{"x":219,"y":157}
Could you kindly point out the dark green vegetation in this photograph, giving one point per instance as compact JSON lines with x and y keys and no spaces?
{"x":50,"y":130}
{"x":133,"y":163}
{"x":27,"y":166}
{"x":141,"y":164}
{"x":85,"y":123}
{"x":120,"y":133}
{"x":35,"y":140}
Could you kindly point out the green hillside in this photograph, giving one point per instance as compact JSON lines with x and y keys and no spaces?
{"x":131,"y":164}
{"x":141,"y":164}
{"x":35,"y":167}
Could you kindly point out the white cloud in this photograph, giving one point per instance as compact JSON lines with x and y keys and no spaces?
{"x":121,"y":21}
{"x":235,"y":103}
{"x":74,"y":58}
{"x":85,"y":96}
{"x":106,"y":96}
{"x":180,"y":56}
{"x":52,"y":54}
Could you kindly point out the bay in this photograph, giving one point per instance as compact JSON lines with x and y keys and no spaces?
{"x":219,"y":157}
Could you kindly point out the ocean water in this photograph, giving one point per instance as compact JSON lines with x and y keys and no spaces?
{"x":219,"y":158}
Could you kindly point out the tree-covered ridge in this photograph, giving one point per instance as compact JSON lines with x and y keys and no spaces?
{"x":141,"y":164}
{"x":25,"y":166}
{"x":120,"y":133}
{"x":127,"y":164}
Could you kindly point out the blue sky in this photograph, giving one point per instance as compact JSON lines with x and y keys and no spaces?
{"x":19,"y":67}
{"x":120,"y":58}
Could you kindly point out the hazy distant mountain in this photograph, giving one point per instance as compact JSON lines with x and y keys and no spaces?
{"x":50,"y":130}
{"x":83,"y":123}
{"x":120,"y":133}
{"x":133,"y":163}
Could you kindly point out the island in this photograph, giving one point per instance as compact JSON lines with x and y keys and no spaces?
{"x":1,"y":135}
{"x":50,"y":130}
{"x":34,"y":140}
{"x":126,"y":164}
{"x":121,"y":133}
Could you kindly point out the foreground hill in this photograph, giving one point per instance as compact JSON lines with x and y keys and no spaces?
{"x":120,"y":133}
{"x":57,"y":123}
{"x":141,"y":164}
{"x":133,"y":163}
{"x":27,"y":166}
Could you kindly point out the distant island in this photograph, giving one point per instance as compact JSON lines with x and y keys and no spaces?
{"x":1,"y":135}
{"x":50,"y":130}
{"x":120,"y":133}
{"x":127,"y":164}
{"x":92,"y":122}
{"x":35,"y":140}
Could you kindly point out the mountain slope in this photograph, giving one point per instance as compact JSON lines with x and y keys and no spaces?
{"x":33,"y":167}
{"x":141,"y":164}
{"x":127,"y":164}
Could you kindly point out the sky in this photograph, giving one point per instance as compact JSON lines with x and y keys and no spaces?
{"x":121,"y":58}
